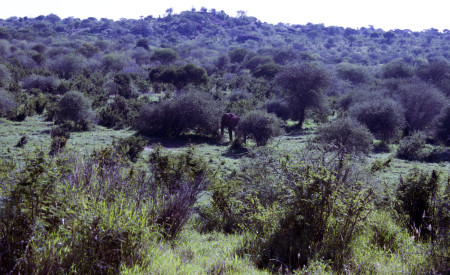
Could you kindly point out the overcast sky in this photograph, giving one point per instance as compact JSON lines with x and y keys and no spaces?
{"x":386,"y":14}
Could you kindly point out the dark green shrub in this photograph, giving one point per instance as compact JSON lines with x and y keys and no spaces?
{"x":124,"y":85}
{"x":130,"y":147}
{"x":279,"y":107}
{"x":284,"y":56}
{"x":7,"y":103}
{"x":412,"y":147}
{"x":58,"y":143}
{"x":398,"y":69}
{"x":163,"y":74}
{"x":28,"y":205}
{"x":180,"y":179}
{"x":113,"y":62}
{"x":356,"y":74}
{"x":196,"y":112}
{"x":74,"y":106}
{"x":164,"y":56}
{"x":435,"y":72}
{"x":143,"y":43}
{"x":422,"y":104}
{"x":257,"y":61}
{"x":303,"y":86}
{"x":314,"y":217}
{"x":346,"y":137}
{"x":67,"y":65}
{"x":22,"y":141}
{"x":267,"y":71}
{"x":179,"y":76}
{"x":5,"y":76}
{"x":237,"y":55}
{"x":418,"y":194}
{"x":260,"y":126}
{"x":384,"y":117}
{"x":190,"y":74}
{"x":117,"y":114}
{"x":88,"y":50}
{"x":442,"y":127}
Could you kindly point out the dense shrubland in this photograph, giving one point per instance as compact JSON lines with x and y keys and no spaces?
{"x":319,"y":210}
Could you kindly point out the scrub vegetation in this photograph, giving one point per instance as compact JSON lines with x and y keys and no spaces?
{"x":111,"y":158}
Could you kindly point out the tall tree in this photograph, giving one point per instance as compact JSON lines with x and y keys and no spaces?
{"x":303,"y":86}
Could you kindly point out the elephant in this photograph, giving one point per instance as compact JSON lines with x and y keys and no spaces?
{"x":230,"y":121}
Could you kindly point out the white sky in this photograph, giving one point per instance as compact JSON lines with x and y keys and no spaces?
{"x":416,"y":15}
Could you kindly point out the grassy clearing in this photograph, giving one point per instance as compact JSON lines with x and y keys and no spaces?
{"x":38,"y":131}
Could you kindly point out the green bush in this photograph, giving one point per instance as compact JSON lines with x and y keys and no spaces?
{"x":74,"y":106}
{"x":442,"y":127}
{"x":260,"y":126}
{"x":398,"y":69}
{"x":314,"y":217}
{"x":412,"y":147}
{"x":303,"y":87}
{"x":67,"y":65}
{"x":164,"y":56}
{"x":7,"y":103}
{"x":421,"y":203}
{"x":5,"y":76}
{"x":267,"y":71}
{"x":101,"y":215}
{"x":119,"y":113}
{"x":47,"y":84}
{"x":257,"y":61}
{"x":28,"y":205}
{"x":130,"y":147}
{"x":124,"y":85}
{"x":356,"y":74}
{"x":179,"y":179}
{"x":293,"y":210}
{"x":384,"y":117}
{"x":422,"y":104}
{"x":279,"y":107}
{"x":346,"y":137}
{"x":237,"y":55}
{"x":196,"y":112}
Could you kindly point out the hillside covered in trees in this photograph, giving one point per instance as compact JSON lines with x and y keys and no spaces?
{"x":355,"y":93}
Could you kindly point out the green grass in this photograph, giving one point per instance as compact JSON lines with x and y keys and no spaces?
{"x":37,"y":131}
{"x":215,"y":253}
{"x":195,"y":253}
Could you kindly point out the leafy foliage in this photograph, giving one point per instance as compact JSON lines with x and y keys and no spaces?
{"x":303,"y":85}
{"x":383,"y":117}
{"x":260,"y":126}
{"x":412,"y":147}
{"x":193,"y":111}
{"x":356,"y":74}
{"x":443,"y":126}
{"x":397,"y":69}
{"x":422,"y":103}
{"x":418,"y":194}
{"x":74,"y":106}
{"x":345,"y":136}
{"x":6,"y":103}
{"x":130,"y":147}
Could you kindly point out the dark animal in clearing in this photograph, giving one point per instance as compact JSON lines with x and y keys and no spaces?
{"x":230,"y":121}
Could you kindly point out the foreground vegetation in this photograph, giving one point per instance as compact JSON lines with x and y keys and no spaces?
{"x":111,"y":159}
{"x":274,"y":209}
